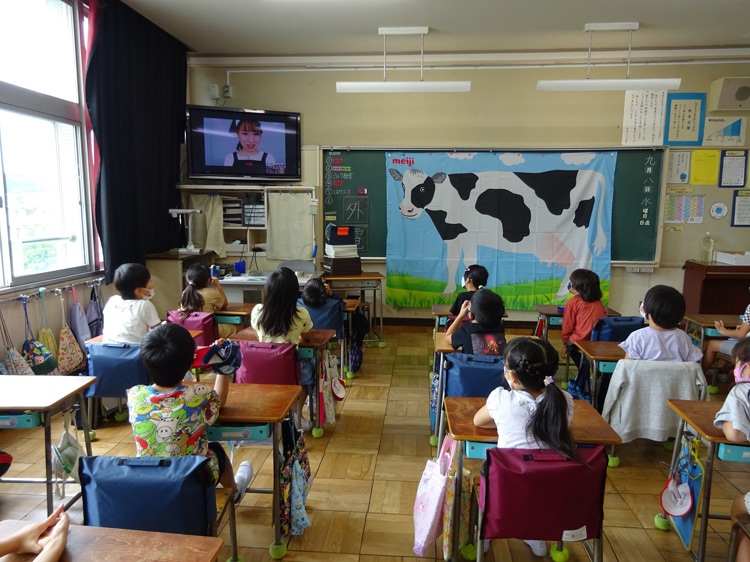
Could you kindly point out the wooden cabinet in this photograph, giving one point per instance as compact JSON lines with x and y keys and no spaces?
{"x":715,"y":288}
{"x":168,"y":274}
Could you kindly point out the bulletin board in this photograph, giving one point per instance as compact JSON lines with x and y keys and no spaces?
{"x":354,"y":193}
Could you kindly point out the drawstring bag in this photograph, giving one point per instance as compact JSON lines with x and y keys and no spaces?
{"x":94,"y":316}
{"x":69,"y":354}
{"x":37,"y":355}
{"x":294,"y":481}
{"x":78,"y":322}
{"x":65,"y":456}
{"x":46,"y":336}
{"x":13,"y":363}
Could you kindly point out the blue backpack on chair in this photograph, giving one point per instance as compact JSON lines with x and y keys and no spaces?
{"x":615,"y":328}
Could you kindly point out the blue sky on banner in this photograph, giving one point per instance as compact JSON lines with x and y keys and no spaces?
{"x":414,"y":245}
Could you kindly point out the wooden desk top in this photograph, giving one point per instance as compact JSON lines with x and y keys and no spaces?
{"x":442,"y":346}
{"x":316,"y":337}
{"x":707,"y":320}
{"x":700,"y":415}
{"x":601,"y":350}
{"x":551,"y":310}
{"x":441,"y":309}
{"x":124,"y":545}
{"x":587,"y":426}
{"x":363,"y":276}
{"x":237,"y":309}
{"x":351,"y":304}
{"x":259,"y":403}
{"x":39,"y":393}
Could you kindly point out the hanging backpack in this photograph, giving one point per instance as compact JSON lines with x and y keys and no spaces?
{"x":360,"y":327}
{"x":46,"y":336}
{"x":13,"y":362}
{"x":94,"y":316}
{"x":36,"y":354}
{"x":69,"y":353}
{"x":78,"y":322}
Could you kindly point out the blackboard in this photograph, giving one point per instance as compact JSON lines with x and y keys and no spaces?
{"x":354,"y":193}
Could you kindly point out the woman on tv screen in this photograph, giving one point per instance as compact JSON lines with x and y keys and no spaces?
{"x":248,"y":157}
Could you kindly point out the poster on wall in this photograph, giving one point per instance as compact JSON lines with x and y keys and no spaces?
{"x":724,"y":131}
{"x":733,"y":168}
{"x":529,"y":218}
{"x":685,"y":118}
{"x":741,"y":208}
{"x":643,"y":118}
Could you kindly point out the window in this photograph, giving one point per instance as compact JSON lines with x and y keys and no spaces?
{"x":45,"y":213}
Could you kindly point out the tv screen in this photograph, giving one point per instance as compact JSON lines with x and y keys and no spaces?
{"x":243,"y":144}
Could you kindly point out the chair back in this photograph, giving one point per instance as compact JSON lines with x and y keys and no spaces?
{"x":114,"y":491}
{"x":268,"y":363}
{"x":615,"y":328}
{"x":330,"y":316}
{"x":569,"y":494}
{"x":117,"y":367}
{"x":636,"y":402}
{"x":203,"y":321}
{"x":471,"y":375}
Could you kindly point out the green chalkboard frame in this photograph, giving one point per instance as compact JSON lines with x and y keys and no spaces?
{"x":359,"y":174}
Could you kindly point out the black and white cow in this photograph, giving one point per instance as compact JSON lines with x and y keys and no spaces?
{"x":547,"y":214}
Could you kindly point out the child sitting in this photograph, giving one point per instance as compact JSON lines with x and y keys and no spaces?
{"x":279,"y":319}
{"x":534,"y":413}
{"x":716,"y":346}
{"x":662,"y":340}
{"x":484,"y":334}
{"x":169,"y":418}
{"x":324,"y":306}
{"x":204,"y":294}
{"x":130,"y":315}
{"x":475,"y":277}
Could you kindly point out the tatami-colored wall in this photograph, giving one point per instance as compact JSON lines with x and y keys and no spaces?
{"x":503,"y":110}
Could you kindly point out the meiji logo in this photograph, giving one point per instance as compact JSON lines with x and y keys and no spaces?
{"x":404,"y":161}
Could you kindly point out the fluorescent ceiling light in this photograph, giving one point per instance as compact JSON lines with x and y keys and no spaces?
{"x":419,"y":86}
{"x":587,"y":85}
{"x":382,"y":87}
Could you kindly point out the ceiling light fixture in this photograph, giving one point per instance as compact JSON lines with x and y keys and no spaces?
{"x":615,"y":84}
{"x":385,"y":87}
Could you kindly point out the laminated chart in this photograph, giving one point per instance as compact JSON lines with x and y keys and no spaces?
{"x":684,"y":209}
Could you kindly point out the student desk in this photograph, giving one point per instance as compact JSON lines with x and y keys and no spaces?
{"x":587,"y":427}
{"x":315,"y":340}
{"x":48,"y":395}
{"x":698,"y":418}
{"x":599,"y":354}
{"x":552,"y":316}
{"x":440,"y":313}
{"x":104,"y":543}
{"x":99,"y":338}
{"x":237,"y":313}
{"x":262,"y":403}
{"x":701,"y":328}
{"x":346,"y":331}
{"x":363,"y":282}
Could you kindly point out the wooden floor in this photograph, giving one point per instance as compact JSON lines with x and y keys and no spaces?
{"x":366,"y":470}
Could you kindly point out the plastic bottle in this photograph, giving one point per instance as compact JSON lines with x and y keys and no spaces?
{"x":707,"y":248}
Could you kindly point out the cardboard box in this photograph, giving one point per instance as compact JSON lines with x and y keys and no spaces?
{"x":733,"y":258}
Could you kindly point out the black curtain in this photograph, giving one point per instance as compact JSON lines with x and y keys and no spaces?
{"x":136,"y":86}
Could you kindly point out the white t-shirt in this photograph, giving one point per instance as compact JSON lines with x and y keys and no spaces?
{"x":300,"y":323}
{"x":649,"y":344}
{"x":511,"y":410}
{"x":128,"y":320}
{"x":736,"y":409}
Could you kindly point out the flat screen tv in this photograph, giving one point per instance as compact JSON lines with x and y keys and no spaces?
{"x":243,"y":144}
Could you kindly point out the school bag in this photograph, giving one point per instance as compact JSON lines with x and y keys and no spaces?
{"x":268,"y":363}
{"x":78,"y":322}
{"x":615,"y":328}
{"x":13,"y":363}
{"x":94,"y":315}
{"x":203,"y":321}
{"x":69,"y":353}
{"x":360,"y":327}
{"x":36,"y":354}
{"x":46,"y":336}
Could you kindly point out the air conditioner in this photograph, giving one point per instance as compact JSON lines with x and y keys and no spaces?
{"x":729,"y":94}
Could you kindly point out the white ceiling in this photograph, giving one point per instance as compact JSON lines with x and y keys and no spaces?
{"x":349,"y":27}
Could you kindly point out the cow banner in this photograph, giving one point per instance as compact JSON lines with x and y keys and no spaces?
{"x":530,"y":218}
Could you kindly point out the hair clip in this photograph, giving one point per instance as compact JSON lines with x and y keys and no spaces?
{"x":548,"y":381}
{"x":480,"y":287}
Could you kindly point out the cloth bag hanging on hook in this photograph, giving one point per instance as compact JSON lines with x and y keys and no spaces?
{"x":13,"y":363}
{"x":94,"y":315}
{"x":37,"y":355}
{"x":46,"y":336}
{"x":78,"y":322}
{"x":69,"y":355}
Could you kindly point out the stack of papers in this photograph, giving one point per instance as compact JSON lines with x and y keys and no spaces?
{"x":341,"y":251}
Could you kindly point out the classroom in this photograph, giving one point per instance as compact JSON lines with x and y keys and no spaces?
{"x":368,"y":464}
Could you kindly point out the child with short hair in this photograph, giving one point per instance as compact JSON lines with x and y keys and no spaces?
{"x":662,"y":340}
{"x":484,"y":333}
{"x":130,"y":315}
{"x":169,"y":418}
{"x":324,"y":306}
{"x":534,"y":413}
{"x":475,"y":277}
{"x":204,"y":293}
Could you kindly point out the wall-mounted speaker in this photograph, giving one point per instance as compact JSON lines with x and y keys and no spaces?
{"x":729,"y":94}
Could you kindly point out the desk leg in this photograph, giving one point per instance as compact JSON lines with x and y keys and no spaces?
{"x":438,"y":403}
{"x":85,"y":421}
{"x":545,"y":326}
{"x":594,"y":378}
{"x":48,"y":459}
{"x":457,"y":500}
{"x":276,"y":509}
{"x":705,"y":500}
